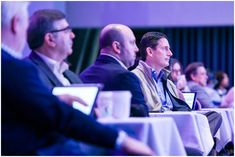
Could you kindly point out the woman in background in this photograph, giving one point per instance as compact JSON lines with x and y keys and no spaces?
{"x":222,"y":83}
{"x":176,"y":75}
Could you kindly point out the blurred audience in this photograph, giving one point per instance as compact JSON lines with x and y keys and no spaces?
{"x":222,"y":83}
{"x":196,"y":76}
{"x":117,"y":53}
{"x":228,"y":99}
{"x":209,"y":88}
{"x":50,"y":39}
{"x":176,"y":75}
{"x":29,"y":110}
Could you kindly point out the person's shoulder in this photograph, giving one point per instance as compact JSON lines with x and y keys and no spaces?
{"x":17,"y":65}
{"x":126,"y":75}
{"x":195,"y":87}
{"x":192,"y":84}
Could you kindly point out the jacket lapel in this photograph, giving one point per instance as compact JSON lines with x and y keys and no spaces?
{"x":73,"y":79}
{"x":36,"y":59}
{"x":178,"y":104}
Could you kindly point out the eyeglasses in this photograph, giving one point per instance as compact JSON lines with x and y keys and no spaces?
{"x":66,"y":29}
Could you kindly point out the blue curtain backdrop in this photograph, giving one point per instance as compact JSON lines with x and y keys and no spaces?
{"x":214,"y":46}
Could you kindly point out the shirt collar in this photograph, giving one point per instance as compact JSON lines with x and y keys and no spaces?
{"x":12,"y":52}
{"x":52,"y":64}
{"x":105,"y":54}
{"x":151,"y":70}
{"x":159,"y":75}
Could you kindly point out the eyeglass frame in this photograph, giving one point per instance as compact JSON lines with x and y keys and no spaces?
{"x":68,"y":28}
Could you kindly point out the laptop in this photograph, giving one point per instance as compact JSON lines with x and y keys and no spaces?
{"x":190,"y":99}
{"x":87,"y":92}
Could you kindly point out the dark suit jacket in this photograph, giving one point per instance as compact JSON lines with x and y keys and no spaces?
{"x":30,"y":112}
{"x":47,"y":76}
{"x":108,"y":71}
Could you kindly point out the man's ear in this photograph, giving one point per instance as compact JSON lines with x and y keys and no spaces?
{"x":192,"y":76}
{"x":49,"y":39}
{"x":15,"y":24}
{"x":116,"y":47}
{"x":149,"y":51}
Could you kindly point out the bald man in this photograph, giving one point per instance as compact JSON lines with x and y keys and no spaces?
{"x":117,"y":53}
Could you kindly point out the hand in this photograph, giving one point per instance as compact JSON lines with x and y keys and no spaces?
{"x":97,"y":112}
{"x":69,"y":99}
{"x":199,"y":105}
{"x":134,"y":147}
{"x":181,"y":82}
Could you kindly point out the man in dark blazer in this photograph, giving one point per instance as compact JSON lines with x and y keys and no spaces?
{"x":118,"y":51}
{"x":49,"y":50}
{"x":47,"y":75}
{"x":30,"y":111}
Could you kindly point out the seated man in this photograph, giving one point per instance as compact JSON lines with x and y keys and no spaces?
{"x":30,"y":111}
{"x":160,"y":93}
{"x":196,"y":76}
{"x":117,"y":53}
{"x":51,"y":45}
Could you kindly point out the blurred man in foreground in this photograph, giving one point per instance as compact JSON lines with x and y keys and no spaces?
{"x":30,"y":111}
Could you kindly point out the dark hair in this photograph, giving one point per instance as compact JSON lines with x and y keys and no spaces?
{"x":149,"y":39}
{"x":41,"y":22}
{"x":192,"y":69}
{"x":108,"y":37}
{"x":172,"y":62}
{"x":219,"y":78}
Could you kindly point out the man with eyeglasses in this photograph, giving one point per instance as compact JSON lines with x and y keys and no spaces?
{"x":51,"y":41}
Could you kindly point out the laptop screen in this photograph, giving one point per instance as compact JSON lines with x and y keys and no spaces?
{"x":190,"y":99}
{"x":87,"y":92}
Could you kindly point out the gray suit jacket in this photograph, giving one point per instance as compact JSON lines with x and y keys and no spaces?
{"x":202,"y":95}
{"x":47,"y":76}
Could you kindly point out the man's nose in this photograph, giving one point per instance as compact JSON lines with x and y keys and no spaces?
{"x":170,"y":53}
{"x":136,"y":48}
{"x":72,"y":35}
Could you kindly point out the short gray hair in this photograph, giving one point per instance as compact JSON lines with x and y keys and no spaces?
{"x":10,"y":9}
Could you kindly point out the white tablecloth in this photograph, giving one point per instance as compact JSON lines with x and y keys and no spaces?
{"x":226,"y":132}
{"x":160,"y":134}
{"x":194,"y":130}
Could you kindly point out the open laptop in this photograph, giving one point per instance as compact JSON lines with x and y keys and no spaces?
{"x":87,"y":92}
{"x":190,"y":99}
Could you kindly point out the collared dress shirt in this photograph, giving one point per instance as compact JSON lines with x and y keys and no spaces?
{"x":57,"y":68}
{"x":165,"y":99}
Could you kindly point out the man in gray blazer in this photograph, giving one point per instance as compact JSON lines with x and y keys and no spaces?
{"x":196,"y":76}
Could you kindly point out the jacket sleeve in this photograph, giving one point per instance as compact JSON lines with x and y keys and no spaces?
{"x":129,"y":81}
{"x":203,"y":97}
{"x":26,"y":95}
